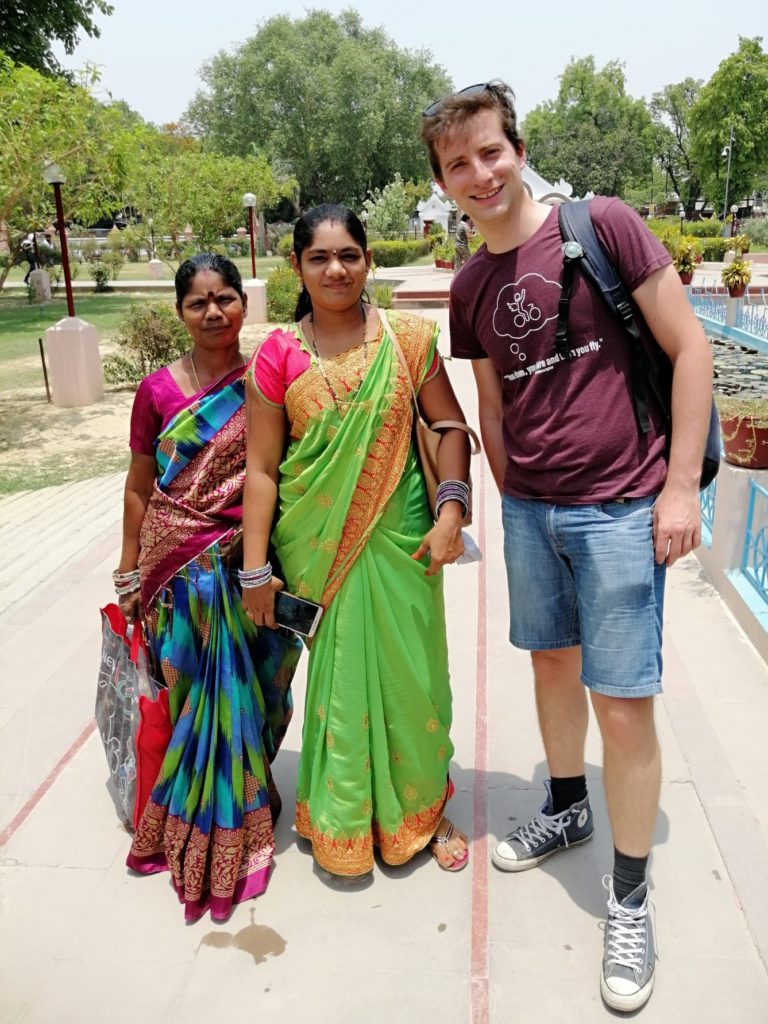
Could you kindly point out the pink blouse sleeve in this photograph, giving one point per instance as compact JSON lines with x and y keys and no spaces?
{"x":278,"y":362}
{"x":146,"y":420}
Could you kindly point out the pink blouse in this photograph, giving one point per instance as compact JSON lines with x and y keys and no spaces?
{"x":157,"y":401}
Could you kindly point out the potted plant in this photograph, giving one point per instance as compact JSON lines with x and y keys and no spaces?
{"x":683,"y":259}
{"x":744,"y":430}
{"x":742,"y":244}
{"x":442,"y":254}
{"x":736,"y":276}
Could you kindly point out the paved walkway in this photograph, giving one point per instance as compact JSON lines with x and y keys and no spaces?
{"x":82,"y":942}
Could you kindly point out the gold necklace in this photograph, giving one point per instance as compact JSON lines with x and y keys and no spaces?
{"x":320,"y":364}
{"x":194,"y":374}
{"x":194,"y":370}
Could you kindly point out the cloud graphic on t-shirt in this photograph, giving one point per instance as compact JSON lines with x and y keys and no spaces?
{"x":517,"y":314}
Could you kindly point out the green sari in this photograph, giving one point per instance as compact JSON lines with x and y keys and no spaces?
{"x":352,"y":510}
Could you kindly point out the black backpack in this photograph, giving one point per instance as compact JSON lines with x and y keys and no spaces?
{"x":651,"y":371}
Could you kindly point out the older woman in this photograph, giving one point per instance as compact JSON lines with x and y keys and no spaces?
{"x":330,"y":443}
{"x":210,"y":817}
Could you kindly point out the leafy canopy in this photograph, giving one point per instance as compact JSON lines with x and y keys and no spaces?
{"x":44,"y":118}
{"x":736,"y":95}
{"x":339,"y":105}
{"x":27,"y":28}
{"x":593,"y":134}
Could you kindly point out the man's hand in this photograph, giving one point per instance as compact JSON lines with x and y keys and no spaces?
{"x":676,"y":523}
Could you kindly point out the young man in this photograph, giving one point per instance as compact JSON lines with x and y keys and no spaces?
{"x":593,"y":509}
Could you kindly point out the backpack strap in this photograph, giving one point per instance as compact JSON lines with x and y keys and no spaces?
{"x":576,"y":225}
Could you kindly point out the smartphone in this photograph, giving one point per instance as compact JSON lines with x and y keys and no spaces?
{"x":297,"y":614}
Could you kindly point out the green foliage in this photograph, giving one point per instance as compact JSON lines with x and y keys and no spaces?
{"x":203,"y":190}
{"x":594,"y":135}
{"x":27,"y":28}
{"x":382,"y":295}
{"x":684,"y":255}
{"x":757,"y":230}
{"x":397,"y":254}
{"x":444,"y":251}
{"x":666,"y":230}
{"x":100,"y":274}
{"x":735,"y":96}
{"x":742,"y":243}
{"x":671,"y":115}
{"x":736,"y":273}
{"x":337,"y":104}
{"x":714,"y":249}
{"x":709,"y":228}
{"x":43,"y":117}
{"x":282,"y":294}
{"x":151,"y":336}
{"x":388,"y":210}
{"x":114,"y":260}
{"x":475,"y":242}
{"x":285,"y":247}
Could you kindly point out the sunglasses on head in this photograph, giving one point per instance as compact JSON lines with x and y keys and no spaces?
{"x":471,"y":90}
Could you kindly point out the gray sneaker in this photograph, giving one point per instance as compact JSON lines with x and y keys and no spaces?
{"x":629,"y":956}
{"x":545,"y":834}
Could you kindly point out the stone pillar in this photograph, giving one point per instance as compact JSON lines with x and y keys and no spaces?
{"x":155,"y":269}
{"x":256,"y":291}
{"x":74,"y":362}
{"x":40,"y":280}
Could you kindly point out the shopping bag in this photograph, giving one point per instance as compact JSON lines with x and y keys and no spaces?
{"x":131,"y":713}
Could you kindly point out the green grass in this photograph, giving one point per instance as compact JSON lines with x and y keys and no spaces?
{"x":140,"y":271}
{"x":22,"y":323}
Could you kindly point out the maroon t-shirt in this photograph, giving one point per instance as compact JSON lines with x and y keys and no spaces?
{"x":570,"y":431}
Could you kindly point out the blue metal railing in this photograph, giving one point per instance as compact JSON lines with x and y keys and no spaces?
{"x":754,"y":560}
{"x":750,"y":328}
{"x":707,"y":498}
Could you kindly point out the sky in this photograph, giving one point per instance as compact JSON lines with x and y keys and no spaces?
{"x":150,"y":51}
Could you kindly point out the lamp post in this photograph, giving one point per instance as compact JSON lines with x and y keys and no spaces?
{"x":734,"y":211}
{"x":727,"y":150}
{"x":681,"y":215}
{"x":249,"y":202}
{"x":53,"y":175}
{"x":152,"y":237}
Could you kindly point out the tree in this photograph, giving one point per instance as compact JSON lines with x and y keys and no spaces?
{"x":43,"y":118}
{"x":671,"y":114}
{"x":388,"y":209}
{"x":204,"y":190}
{"x":27,"y":28}
{"x":594,"y":135}
{"x":736,"y":96}
{"x":339,"y":103}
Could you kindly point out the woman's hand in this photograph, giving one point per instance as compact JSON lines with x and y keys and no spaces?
{"x":259,"y":603}
{"x":443,"y":543}
{"x":131,"y":607}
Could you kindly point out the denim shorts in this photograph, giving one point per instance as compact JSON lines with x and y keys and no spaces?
{"x":586,"y":575}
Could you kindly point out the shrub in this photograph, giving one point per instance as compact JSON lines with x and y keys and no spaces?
{"x":709,"y":228}
{"x":282,"y":293}
{"x":100,"y":274}
{"x":714,"y":249}
{"x":381,"y":295}
{"x":151,"y":336}
{"x":757,"y":229}
{"x":90,"y":250}
{"x":285,"y":247}
{"x":395,"y":253}
{"x":475,"y":242}
{"x":114,"y":260}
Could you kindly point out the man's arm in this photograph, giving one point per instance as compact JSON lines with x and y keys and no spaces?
{"x":491,"y":418}
{"x":677,"y":517}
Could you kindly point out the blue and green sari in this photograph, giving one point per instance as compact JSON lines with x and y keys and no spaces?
{"x":210,"y":817}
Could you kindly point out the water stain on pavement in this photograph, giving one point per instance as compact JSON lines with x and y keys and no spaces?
{"x":257,"y":940}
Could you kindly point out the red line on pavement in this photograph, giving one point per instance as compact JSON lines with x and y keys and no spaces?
{"x":43,"y":788}
{"x":479,"y":941}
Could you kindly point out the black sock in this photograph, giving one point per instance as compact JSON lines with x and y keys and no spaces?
{"x":566,"y":792}
{"x":628,"y":873}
